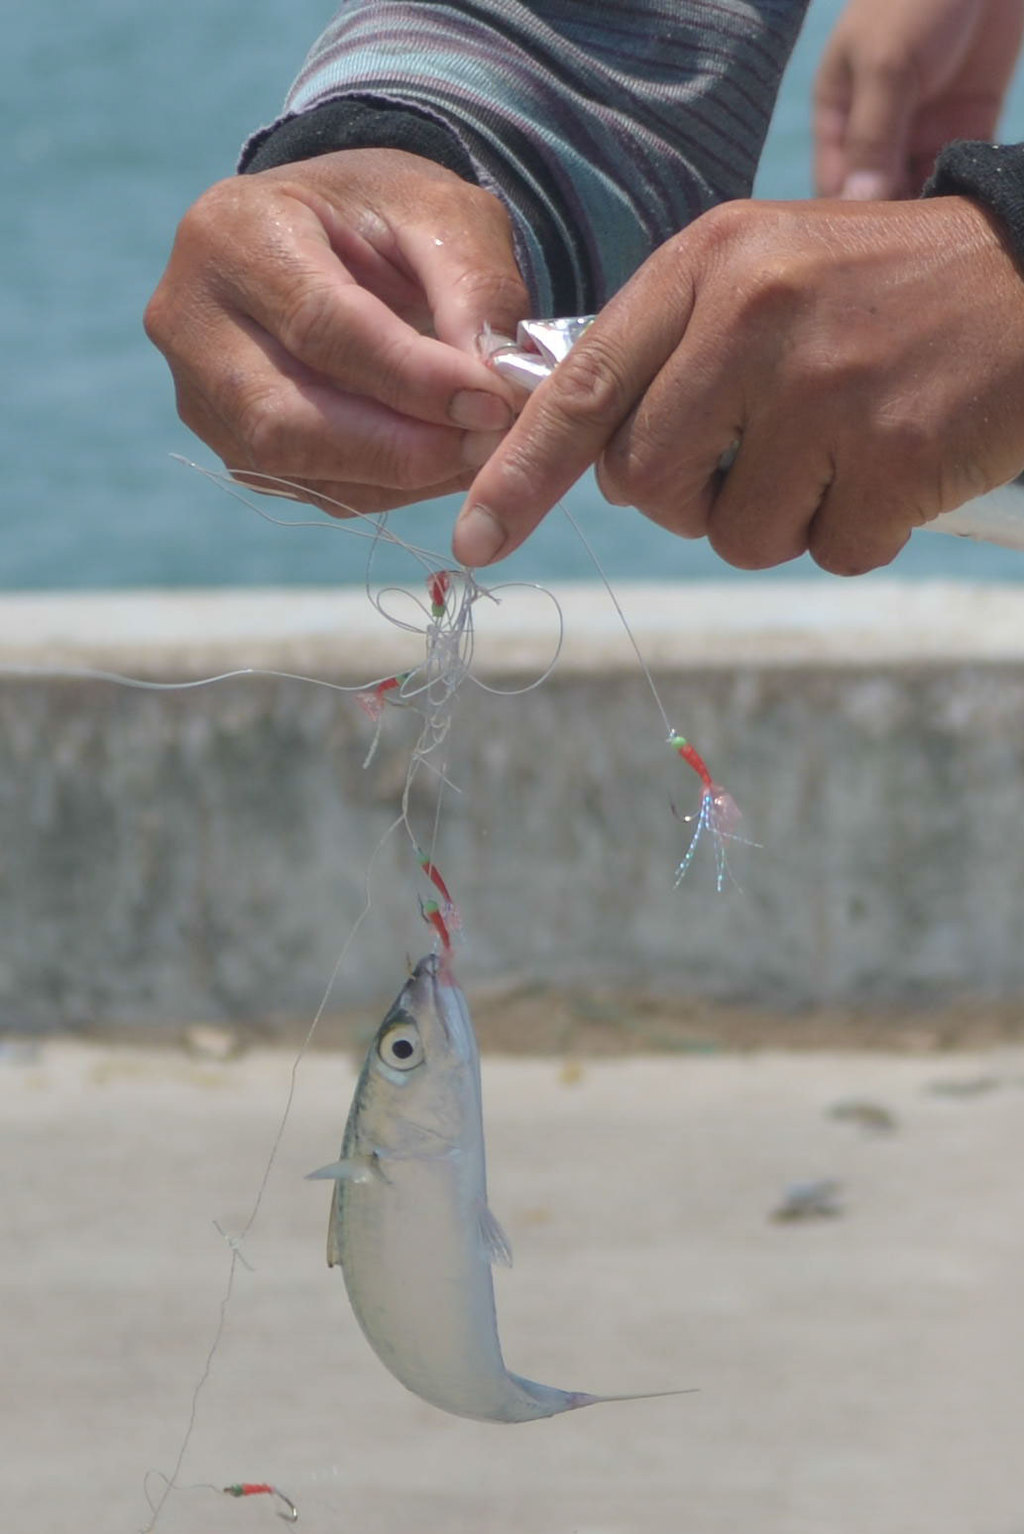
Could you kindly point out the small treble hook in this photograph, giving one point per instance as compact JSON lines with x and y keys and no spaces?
{"x":263,"y":1488}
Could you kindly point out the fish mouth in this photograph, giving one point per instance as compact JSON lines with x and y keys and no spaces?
{"x":425,"y":990}
{"x":427,"y":966}
{"x":419,"y":994}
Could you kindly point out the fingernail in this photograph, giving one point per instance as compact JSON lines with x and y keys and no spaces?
{"x":865,"y":186}
{"x":479,"y":536}
{"x":476,"y":410}
{"x":477,"y":447}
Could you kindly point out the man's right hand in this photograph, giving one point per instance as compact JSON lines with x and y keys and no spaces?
{"x":320,"y":318}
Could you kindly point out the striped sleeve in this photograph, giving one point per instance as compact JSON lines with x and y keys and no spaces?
{"x":606,"y":126}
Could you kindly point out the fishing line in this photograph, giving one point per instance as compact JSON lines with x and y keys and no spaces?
{"x":235,"y":1242}
{"x":144,"y":684}
{"x":718,"y":813}
{"x":429,"y":689}
{"x":238,"y":1489}
{"x":290,"y":489}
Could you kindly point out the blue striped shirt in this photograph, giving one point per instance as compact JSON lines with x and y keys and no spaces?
{"x":605,"y":126}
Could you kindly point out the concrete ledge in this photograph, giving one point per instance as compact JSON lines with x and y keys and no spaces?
{"x":203,"y":854}
{"x":335,"y":631}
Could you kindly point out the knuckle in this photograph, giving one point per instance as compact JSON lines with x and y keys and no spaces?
{"x":742,"y":555}
{"x":903,"y":440}
{"x":417,"y":466}
{"x":403,"y":455}
{"x":263,"y":425}
{"x":757,"y":542}
{"x":156,"y":319}
{"x":844,"y":560}
{"x":206,"y":224}
{"x":303,"y":320}
{"x":633,"y":474}
{"x":771,"y":294}
{"x":614,"y":484}
{"x":590,"y":387}
{"x":502,"y":293}
{"x":760,"y":256}
{"x":726,"y":221}
{"x":721,"y":235}
{"x":513,"y":479}
{"x":892,"y":67}
{"x":193,"y":412}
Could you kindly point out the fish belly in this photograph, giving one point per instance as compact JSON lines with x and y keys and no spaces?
{"x":421,"y":1287}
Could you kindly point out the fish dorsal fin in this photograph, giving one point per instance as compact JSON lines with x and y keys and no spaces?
{"x":495,"y":1247}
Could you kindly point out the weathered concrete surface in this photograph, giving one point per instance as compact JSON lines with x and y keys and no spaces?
{"x":858,"y":1373}
{"x":204,"y":853}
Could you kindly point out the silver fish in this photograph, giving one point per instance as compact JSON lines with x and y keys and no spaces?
{"x":410,"y":1225}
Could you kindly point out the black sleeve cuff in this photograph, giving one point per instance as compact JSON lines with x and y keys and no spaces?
{"x":352,"y":123}
{"x":355,"y":122}
{"x":990,"y":174}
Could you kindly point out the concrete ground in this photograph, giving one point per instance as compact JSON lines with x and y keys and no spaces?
{"x":860,"y":1373}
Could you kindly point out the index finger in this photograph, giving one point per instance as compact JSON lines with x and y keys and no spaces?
{"x":567,"y":423}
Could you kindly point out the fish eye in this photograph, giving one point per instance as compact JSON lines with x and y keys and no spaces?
{"x":401,"y":1047}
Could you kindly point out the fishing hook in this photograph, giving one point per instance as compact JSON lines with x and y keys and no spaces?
{"x":251,"y":1489}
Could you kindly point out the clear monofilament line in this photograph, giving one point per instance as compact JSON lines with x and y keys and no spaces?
{"x":273,"y":484}
{"x":146,"y":684}
{"x":606,"y":583}
{"x":432,"y":689}
{"x":718,"y":813}
{"x":235,"y":1243}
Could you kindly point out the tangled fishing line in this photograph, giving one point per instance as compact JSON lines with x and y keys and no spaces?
{"x":440,"y":610}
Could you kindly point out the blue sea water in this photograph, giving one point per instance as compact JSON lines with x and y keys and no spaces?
{"x":118,"y":116}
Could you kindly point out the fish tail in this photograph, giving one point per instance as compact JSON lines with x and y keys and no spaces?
{"x":549,"y":1401}
{"x":578,"y":1398}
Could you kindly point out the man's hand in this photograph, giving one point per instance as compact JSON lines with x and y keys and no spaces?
{"x":865,"y":360}
{"x":901,"y":78}
{"x":319,"y":320}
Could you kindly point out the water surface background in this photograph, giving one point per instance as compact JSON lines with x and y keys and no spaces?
{"x":118,"y":116}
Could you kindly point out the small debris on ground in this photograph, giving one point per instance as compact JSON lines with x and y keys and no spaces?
{"x":968,"y":1086}
{"x":870,"y":1116}
{"x":815,"y":1200}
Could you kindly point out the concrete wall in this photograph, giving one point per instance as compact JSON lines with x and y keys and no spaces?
{"x":168,"y":856}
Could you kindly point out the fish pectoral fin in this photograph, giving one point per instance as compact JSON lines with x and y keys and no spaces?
{"x":334,"y":1231}
{"x":351,"y":1169}
{"x":494,"y":1244}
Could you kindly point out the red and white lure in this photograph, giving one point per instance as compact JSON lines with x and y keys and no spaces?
{"x":538,"y":348}
{"x":264,"y":1489}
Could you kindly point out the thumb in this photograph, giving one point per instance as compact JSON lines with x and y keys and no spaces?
{"x":470,"y":276}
